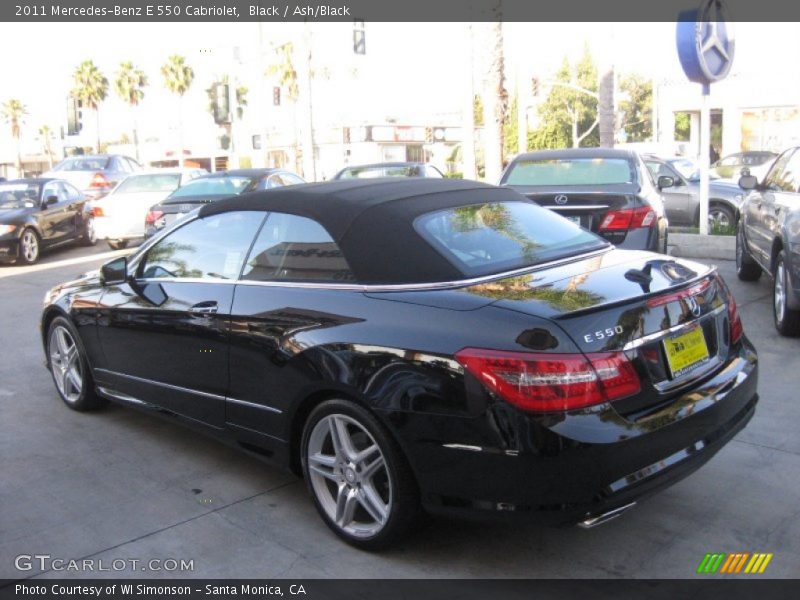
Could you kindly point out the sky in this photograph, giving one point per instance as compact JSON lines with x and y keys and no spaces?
{"x":410,"y":68}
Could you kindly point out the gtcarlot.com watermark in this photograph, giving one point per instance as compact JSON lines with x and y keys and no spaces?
{"x":46,"y":562}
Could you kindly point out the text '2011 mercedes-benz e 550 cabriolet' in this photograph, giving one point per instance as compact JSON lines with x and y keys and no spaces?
{"x":410,"y":345}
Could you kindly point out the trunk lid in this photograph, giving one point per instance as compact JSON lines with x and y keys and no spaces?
{"x":670,"y":317}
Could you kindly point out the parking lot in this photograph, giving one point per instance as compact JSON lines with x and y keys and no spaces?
{"x":122,"y":485}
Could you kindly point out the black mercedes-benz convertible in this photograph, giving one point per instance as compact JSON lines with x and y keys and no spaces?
{"x":409,"y":345}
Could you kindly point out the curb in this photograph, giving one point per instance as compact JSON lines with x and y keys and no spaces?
{"x":693,"y":245}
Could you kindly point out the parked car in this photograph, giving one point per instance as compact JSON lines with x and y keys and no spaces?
{"x":756,"y":162}
{"x":389,"y":169}
{"x":406,"y":343}
{"x":96,"y":174}
{"x":119,"y":216}
{"x":682,"y":197}
{"x":768,"y":237}
{"x":213,"y":187}
{"x":38,"y":214}
{"x":603,"y":190}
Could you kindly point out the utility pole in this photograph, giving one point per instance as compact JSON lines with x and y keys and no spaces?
{"x":468,"y":111}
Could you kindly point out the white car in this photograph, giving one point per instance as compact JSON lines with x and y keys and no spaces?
{"x":119,"y":216}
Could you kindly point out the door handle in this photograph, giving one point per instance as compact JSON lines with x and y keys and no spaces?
{"x":204,"y":308}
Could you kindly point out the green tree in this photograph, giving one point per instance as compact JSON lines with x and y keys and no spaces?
{"x":495,"y":101}
{"x":511,"y":130}
{"x":636,"y":108}
{"x":13,"y":111}
{"x":129,"y":85}
{"x":284,"y":71}
{"x":91,"y":88}
{"x":568,"y":116}
{"x":178,"y":78}
{"x":683,"y":126}
{"x":46,"y":132}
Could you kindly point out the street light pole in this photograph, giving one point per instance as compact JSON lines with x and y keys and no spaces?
{"x":705,"y":143}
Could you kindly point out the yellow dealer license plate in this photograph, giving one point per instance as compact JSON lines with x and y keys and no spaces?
{"x":686,"y":352}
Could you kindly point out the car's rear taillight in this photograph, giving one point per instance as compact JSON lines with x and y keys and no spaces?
{"x":735,"y":320}
{"x":97,"y":211}
{"x":628,"y":218}
{"x":99,"y":181}
{"x":552,"y":382}
{"x":153,"y":216}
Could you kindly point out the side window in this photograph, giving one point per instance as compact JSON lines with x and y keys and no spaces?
{"x":50,"y":190}
{"x":292,"y":248}
{"x":119,"y":164}
{"x":72,"y":193}
{"x":790,"y":182}
{"x":775,"y":177}
{"x":291,"y":179}
{"x":133,"y":166}
{"x":434,"y":172}
{"x":273,"y":181}
{"x":210,"y":248}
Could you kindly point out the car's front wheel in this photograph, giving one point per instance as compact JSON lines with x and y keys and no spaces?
{"x":720,"y":215}
{"x":361,"y":483}
{"x":29,"y":247}
{"x":69,"y":367}
{"x":787,"y":321}
{"x":747,"y":269}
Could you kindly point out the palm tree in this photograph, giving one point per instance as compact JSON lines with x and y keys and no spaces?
{"x":45,"y":131}
{"x":178,"y":78}
{"x":495,"y":101}
{"x":284,"y":71}
{"x":13,"y":110}
{"x":91,"y":88}
{"x":129,"y":85}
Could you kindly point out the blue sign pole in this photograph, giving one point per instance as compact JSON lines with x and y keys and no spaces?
{"x":706,"y":47}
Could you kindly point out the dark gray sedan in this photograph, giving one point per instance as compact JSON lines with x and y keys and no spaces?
{"x":768,"y":237}
{"x":41,"y":213}
{"x":682,"y":198}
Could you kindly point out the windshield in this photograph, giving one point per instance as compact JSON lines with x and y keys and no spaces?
{"x":484,"y":239}
{"x":382,"y":171}
{"x":571,"y":171}
{"x":162,"y":182}
{"x":211,"y":186}
{"x":689,"y":169}
{"x":19,"y":195}
{"x":82,"y":163}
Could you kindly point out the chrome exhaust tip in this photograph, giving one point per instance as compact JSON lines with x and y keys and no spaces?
{"x":605,"y":517}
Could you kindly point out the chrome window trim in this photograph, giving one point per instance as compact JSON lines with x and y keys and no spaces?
{"x":398,"y":287}
{"x":562,"y":207}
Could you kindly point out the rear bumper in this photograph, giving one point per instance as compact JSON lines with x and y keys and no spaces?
{"x":108,"y":228}
{"x":565,"y":468}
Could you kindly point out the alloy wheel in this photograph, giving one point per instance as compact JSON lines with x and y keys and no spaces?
{"x":779,"y":292}
{"x":349,"y":476}
{"x":718,"y":216}
{"x":29,"y":245}
{"x":65,"y":364}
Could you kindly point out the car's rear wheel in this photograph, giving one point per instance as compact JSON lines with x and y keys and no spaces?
{"x":29,"y":246}
{"x":721,"y":216}
{"x":747,"y":269}
{"x":89,"y":236}
{"x":69,"y":367}
{"x":361,"y":483}
{"x":787,"y":320}
{"x":117,"y":244}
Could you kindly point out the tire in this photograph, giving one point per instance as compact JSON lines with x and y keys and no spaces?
{"x":369,"y":501}
{"x":89,"y":237}
{"x":30,"y":247}
{"x":66,"y":359}
{"x":787,"y":320}
{"x":747,"y":269}
{"x":117,"y":244}
{"x":721,"y":214}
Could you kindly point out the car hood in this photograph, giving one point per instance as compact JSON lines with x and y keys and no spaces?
{"x":13,"y":216}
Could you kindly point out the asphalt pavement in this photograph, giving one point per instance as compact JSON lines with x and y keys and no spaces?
{"x":122,"y":486}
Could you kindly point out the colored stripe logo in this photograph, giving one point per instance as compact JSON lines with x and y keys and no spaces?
{"x":736,"y":562}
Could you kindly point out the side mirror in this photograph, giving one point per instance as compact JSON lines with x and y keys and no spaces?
{"x":665,"y":182}
{"x":115,"y":271}
{"x":50,"y":200}
{"x":748,"y":182}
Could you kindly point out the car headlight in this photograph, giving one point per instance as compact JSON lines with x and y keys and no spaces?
{"x":4,"y":229}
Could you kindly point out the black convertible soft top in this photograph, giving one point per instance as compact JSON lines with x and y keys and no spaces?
{"x":372,"y":220}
